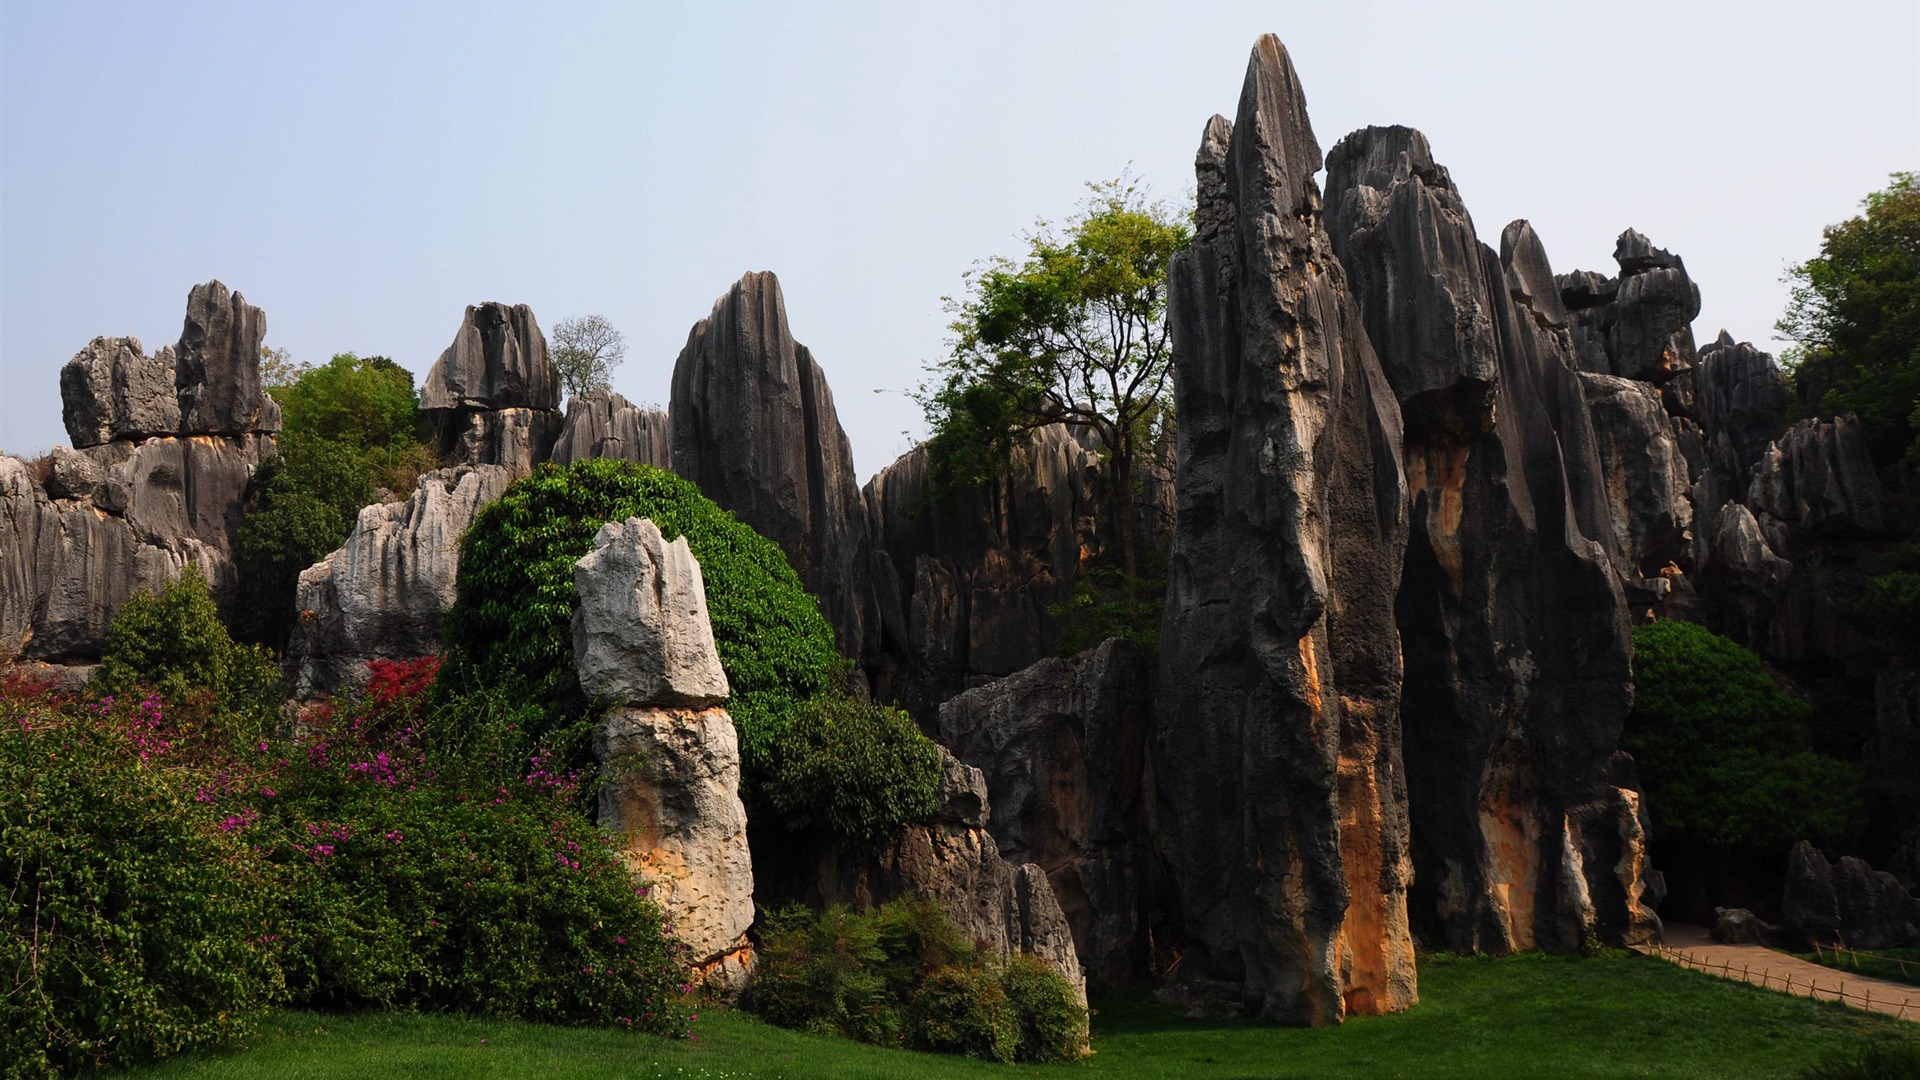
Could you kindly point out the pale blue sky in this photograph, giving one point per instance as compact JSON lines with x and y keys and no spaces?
{"x":364,"y":171}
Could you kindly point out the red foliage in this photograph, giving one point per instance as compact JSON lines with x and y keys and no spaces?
{"x":397,"y":689}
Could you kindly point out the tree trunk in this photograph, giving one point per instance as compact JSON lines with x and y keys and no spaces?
{"x":1122,"y":468}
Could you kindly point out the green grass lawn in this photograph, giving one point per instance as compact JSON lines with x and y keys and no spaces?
{"x":1528,"y":1017}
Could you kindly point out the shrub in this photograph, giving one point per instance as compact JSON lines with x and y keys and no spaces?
{"x":175,"y":644}
{"x":903,"y":974}
{"x":300,"y":505}
{"x":512,"y":619}
{"x":853,"y":769}
{"x":363,"y":402}
{"x":135,"y":926}
{"x":1720,"y":750}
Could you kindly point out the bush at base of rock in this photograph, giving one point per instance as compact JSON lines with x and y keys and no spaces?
{"x":853,"y":769}
{"x":903,"y":975}
{"x":512,"y":618}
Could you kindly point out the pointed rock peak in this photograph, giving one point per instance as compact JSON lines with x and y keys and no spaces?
{"x":1635,"y":253}
{"x":1529,"y":276}
{"x":1213,"y":206}
{"x":498,"y":360}
{"x":1725,"y":340}
{"x":1378,"y":157}
{"x":754,"y":303}
{"x":1274,"y":129}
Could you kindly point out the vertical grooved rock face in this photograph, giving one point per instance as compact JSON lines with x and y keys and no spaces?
{"x":602,"y":424}
{"x":1062,"y":745}
{"x":640,"y":629}
{"x":1743,"y":394}
{"x":217,"y":365}
{"x":492,"y":397}
{"x":1277,"y":742}
{"x":384,"y":593}
{"x":1512,"y":627}
{"x":1639,"y":325}
{"x":754,"y":426}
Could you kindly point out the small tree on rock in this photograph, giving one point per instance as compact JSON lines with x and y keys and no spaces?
{"x":585,"y":351}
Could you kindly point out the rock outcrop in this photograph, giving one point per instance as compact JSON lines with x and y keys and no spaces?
{"x":1849,"y":903}
{"x":384,"y":593}
{"x":955,"y":863}
{"x":1640,"y":324}
{"x":602,"y":424}
{"x":1277,"y":744}
{"x":642,"y":642}
{"x":1513,"y":630}
{"x":1818,"y":477}
{"x":166,"y":446}
{"x":1743,"y":397}
{"x":1649,"y":489}
{"x":1062,"y":746}
{"x":755,"y":428}
{"x":492,"y":397}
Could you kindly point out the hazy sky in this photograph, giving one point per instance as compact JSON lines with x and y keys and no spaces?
{"x":364,"y":171}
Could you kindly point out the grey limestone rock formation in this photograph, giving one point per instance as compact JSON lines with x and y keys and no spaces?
{"x":1818,"y":477}
{"x":1513,"y":629}
{"x":755,"y":428}
{"x":492,"y":396}
{"x":642,"y":642}
{"x":1639,"y":325}
{"x":1743,"y":395}
{"x":1062,"y":745}
{"x":166,"y":446}
{"x":640,"y":628}
{"x":955,"y":863}
{"x":1848,"y":903}
{"x":1648,"y":484}
{"x":1276,"y":753}
{"x":384,"y":593}
{"x":602,"y":424}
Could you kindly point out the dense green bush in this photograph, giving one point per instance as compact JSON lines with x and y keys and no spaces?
{"x":902,"y":974}
{"x":134,"y":926}
{"x":853,"y":769}
{"x":300,"y":505}
{"x":366,"y":402}
{"x":1721,"y":753}
{"x":512,"y":619}
{"x":175,"y":645}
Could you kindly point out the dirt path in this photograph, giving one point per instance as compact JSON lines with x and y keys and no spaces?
{"x":1692,"y":946}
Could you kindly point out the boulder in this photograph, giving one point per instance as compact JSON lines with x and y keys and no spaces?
{"x":1848,"y":904}
{"x":1513,"y":629}
{"x":1637,"y":326}
{"x":601,"y":423}
{"x":640,"y":628}
{"x":673,"y":806}
{"x":1276,"y":750}
{"x":112,"y":390}
{"x":1738,"y":926}
{"x":1062,"y":745}
{"x":385,"y":592}
{"x":755,"y":428}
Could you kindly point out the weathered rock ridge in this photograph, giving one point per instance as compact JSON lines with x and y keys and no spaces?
{"x":602,"y":424}
{"x":492,"y":397}
{"x":166,"y":446}
{"x":1513,"y":629}
{"x":754,"y":426}
{"x":1277,"y":743}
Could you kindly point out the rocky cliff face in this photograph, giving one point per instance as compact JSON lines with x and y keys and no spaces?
{"x":492,"y":396}
{"x":1063,"y":748}
{"x":166,"y":445}
{"x":1277,"y":742}
{"x":384,"y":593}
{"x":754,"y":426}
{"x":1513,"y":630}
{"x":602,"y":424}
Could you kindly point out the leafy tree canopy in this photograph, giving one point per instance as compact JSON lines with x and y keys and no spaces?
{"x":585,"y":351}
{"x":301,"y":504}
{"x":366,"y":402}
{"x":1854,"y":315}
{"x":1075,"y":332}
{"x":1720,"y":749}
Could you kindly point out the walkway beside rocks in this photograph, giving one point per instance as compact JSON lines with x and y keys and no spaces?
{"x":1694,"y":947}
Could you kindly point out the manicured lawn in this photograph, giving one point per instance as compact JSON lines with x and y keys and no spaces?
{"x":1523,"y":1017}
{"x":1898,"y":965}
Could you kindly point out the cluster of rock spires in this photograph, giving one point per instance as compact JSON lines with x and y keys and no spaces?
{"x":1422,"y":491}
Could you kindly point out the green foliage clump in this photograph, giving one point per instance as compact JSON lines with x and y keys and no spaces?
{"x":1855,"y":314}
{"x":902,"y":974}
{"x":1107,"y":602}
{"x":512,"y":619}
{"x":175,"y":645}
{"x":362,"y":402}
{"x":854,"y":769}
{"x":134,"y":926}
{"x":1721,"y":752}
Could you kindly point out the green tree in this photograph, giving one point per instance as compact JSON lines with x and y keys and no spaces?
{"x":1075,"y":332}
{"x":1721,"y":753}
{"x":175,"y":644}
{"x":301,"y":504}
{"x":1854,"y":315}
{"x":585,"y":351}
{"x":366,"y":402}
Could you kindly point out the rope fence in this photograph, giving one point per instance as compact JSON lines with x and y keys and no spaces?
{"x":1809,"y":988}
{"x":1840,"y":954}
